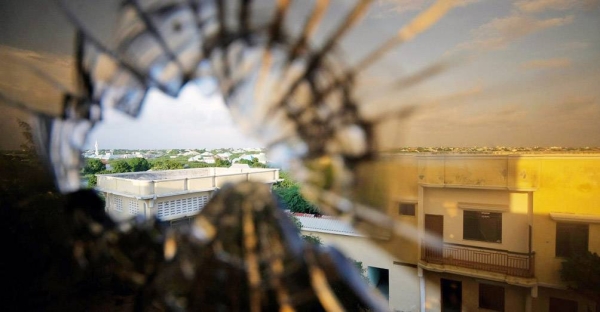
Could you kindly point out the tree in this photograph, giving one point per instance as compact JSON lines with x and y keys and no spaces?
{"x":222,"y":163}
{"x":582,"y":273}
{"x":92,"y":180}
{"x":166,"y":164}
{"x":254,"y":163}
{"x":293,"y":200}
{"x":312,"y":239}
{"x":139,"y":164}
{"x":120,"y":166}
{"x":287,"y":180}
{"x":93,"y":166}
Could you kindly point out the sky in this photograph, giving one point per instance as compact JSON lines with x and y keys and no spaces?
{"x":197,"y":118}
{"x":520,"y":73}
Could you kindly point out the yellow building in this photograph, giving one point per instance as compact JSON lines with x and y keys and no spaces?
{"x":488,"y":232}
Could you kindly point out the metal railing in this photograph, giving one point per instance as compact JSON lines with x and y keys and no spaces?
{"x":478,"y":258}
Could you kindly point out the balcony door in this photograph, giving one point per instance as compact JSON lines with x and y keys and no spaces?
{"x":451,"y":295}
{"x":434,"y":229}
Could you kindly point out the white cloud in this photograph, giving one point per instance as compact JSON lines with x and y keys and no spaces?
{"x":532,"y":6}
{"x":535,"y":6}
{"x":546,"y":63}
{"x":402,"y":6}
{"x":500,"y":32}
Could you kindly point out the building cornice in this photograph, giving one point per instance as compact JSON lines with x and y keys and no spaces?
{"x":480,"y":187}
{"x":574,"y":218}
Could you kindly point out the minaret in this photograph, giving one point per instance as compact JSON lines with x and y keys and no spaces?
{"x":96,"y":146}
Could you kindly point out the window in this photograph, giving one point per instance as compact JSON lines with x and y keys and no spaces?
{"x":571,"y":239}
{"x":406,"y":209}
{"x":134,"y":207}
{"x":380,"y":278}
{"x":118,"y":202}
{"x":181,"y":207}
{"x":482,"y":226}
{"x":451,"y":295}
{"x":491,"y":297}
{"x":560,"y":305}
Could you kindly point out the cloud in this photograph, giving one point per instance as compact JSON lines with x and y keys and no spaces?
{"x":546,"y":63}
{"x":574,"y":45}
{"x":500,"y":32}
{"x":402,"y":6}
{"x":535,"y":6}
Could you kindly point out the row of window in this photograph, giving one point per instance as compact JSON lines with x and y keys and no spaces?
{"x":181,"y":207}
{"x":491,"y":298}
{"x":571,"y":238}
{"x":117,"y":205}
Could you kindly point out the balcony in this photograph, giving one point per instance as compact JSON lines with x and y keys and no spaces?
{"x":477,"y":258}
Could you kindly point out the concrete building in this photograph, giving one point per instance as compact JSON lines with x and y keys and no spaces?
{"x":386,"y":274}
{"x":171,"y":194}
{"x":484,"y":232}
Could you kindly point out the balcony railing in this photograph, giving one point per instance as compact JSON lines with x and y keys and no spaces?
{"x":486,"y":259}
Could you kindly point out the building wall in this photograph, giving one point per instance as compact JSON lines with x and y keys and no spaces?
{"x":542,"y":302}
{"x":404,"y":282}
{"x":179,"y":206}
{"x":514,"y":296}
{"x":570,"y":185}
{"x":534,"y":184}
{"x":123,"y":208}
{"x":513,"y":205}
{"x":384,"y":184}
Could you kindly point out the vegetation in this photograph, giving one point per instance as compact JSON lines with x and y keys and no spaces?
{"x":293,"y":200}
{"x":582,"y":273}
{"x":312,"y":239}
{"x":166,"y":164}
{"x":93,"y":166}
{"x":289,"y":193}
{"x":96,"y":166}
{"x":254,"y":163}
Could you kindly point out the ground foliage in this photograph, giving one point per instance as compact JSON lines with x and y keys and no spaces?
{"x":582,"y":273}
{"x":288,"y":191}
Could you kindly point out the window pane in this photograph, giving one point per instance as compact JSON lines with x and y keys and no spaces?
{"x":571,"y":239}
{"x":407,"y":209}
{"x":482,"y":226}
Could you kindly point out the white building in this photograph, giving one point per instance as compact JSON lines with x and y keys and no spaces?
{"x":171,"y":194}
{"x":383,"y":271}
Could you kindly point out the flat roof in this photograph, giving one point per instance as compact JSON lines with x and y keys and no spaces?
{"x":326,"y":224}
{"x":183,"y":173}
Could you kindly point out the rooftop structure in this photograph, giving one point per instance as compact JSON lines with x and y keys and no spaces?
{"x":172,"y":194}
{"x":326,"y":224}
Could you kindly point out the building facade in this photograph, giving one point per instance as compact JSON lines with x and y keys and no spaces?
{"x":484,"y":232}
{"x":383,"y":271}
{"x":171,"y":195}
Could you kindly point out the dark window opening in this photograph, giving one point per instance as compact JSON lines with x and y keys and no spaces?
{"x":380,"y":278}
{"x":451,"y":295}
{"x":482,"y":226}
{"x":571,"y":239}
{"x":491,"y":297}
{"x":406,"y":209}
{"x":561,"y":305}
